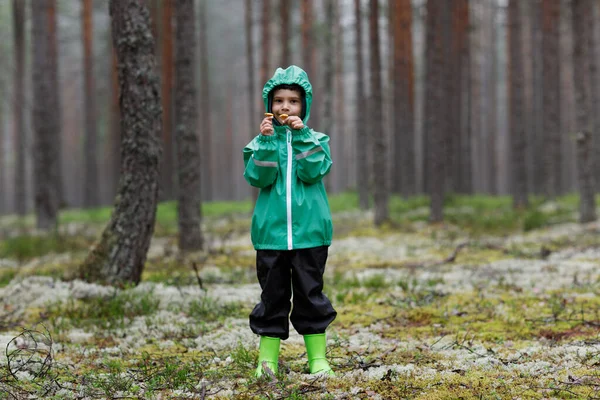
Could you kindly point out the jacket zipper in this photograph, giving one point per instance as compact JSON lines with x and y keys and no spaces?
{"x":289,"y":189}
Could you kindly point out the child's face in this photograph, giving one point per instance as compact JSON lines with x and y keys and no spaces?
{"x":286,"y":101}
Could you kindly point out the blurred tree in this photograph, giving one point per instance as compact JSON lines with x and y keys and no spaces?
{"x":252,"y":96}
{"x":284,"y":14}
{"x":403,"y":104}
{"x":518,"y":139}
{"x":20,"y":184}
{"x":119,"y":256}
{"x":186,"y":121}
{"x":205,"y":127}
{"x":582,"y":60}
{"x":46,"y":134}
{"x":167,"y":63}
{"x":90,"y":180}
{"x":464,"y":164}
{"x":328,"y":88}
{"x":379,"y":148}
{"x":362,"y":139}
{"x":265,"y":42}
{"x":342,"y":156}
{"x":309,"y":57}
{"x":594,"y":56}
{"x":435,"y":117}
{"x":551,"y":97}
{"x":115,"y":124}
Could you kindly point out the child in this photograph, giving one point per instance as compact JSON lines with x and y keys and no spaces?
{"x":291,"y":224}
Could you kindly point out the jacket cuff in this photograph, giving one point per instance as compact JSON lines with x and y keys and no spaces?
{"x":266,"y":138}
{"x":301,"y":133}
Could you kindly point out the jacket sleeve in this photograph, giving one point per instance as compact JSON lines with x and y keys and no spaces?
{"x":312,"y":154}
{"x":261,"y":160}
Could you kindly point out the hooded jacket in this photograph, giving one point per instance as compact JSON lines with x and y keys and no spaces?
{"x":292,"y":210}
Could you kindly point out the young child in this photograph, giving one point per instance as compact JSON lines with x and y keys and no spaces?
{"x":291,"y":224}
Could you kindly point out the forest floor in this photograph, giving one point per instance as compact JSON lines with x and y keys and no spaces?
{"x":424,"y":312}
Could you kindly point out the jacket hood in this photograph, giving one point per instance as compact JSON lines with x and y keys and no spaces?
{"x":291,"y":75}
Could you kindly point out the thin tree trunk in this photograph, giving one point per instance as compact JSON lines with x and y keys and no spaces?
{"x":167,"y":64}
{"x":551,"y":101}
{"x":581,"y":60}
{"x":516,"y":107}
{"x":45,"y":134}
{"x":284,"y":12}
{"x":188,"y":148}
{"x":251,"y":93}
{"x":90,"y":182}
{"x":120,"y":255}
{"x":20,"y":182}
{"x":309,"y":59}
{"x":206,"y":126}
{"x":434,"y":113}
{"x":362,"y":168}
{"x":342,"y":157}
{"x":465,"y":161}
{"x":380,"y":192}
{"x":403,"y":136}
{"x":115,"y":124}
{"x":594,"y":57}
{"x":328,"y":91}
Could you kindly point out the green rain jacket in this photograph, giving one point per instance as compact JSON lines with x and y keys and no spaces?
{"x":292,"y":210}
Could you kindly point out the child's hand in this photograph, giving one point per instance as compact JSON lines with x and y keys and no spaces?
{"x":294,"y":122}
{"x":266,"y":126}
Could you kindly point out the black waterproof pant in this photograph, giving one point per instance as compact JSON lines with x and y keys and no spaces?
{"x":281,"y":273}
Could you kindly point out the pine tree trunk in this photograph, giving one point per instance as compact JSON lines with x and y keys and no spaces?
{"x":581,"y":59}
{"x":284,"y":13}
{"x":115,"y":125}
{"x":167,"y":64}
{"x":20,"y":151}
{"x":90,"y":182}
{"x":120,"y":255}
{"x":205,"y":96}
{"x":434,"y":108}
{"x":251,"y":80}
{"x":403,"y":135}
{"x":518,"y":142}
{"x":362,"y":140}
{"x":551,"y":100}
{"x":342,"y":140}
{"x":379,"y":152}
{"x":186,"y":119}
{"x":45,"y":136}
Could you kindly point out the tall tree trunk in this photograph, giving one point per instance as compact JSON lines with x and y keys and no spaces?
{"x":551,"y":125}
{"x":537,"y":135}
{"x":342,"y":155}
{"x":167,"y":169}
{"x":206,"y":159}
{"x":594,"y":57}
{"x":90,"y":182}
{"x":120,"y":255}
{"x":379,"y":148}
{"x":251,"y":94}
{"x":403,"y":135}
{"x":464,"y":163}
{"x":20,"y":182}
{"x":115,"y":124}
{"x":56,"y":108}
{"x":362,"y":140}
{"x":188,"y":148}
{"x":434,"y":113}
{"x":328,"y":91}
{"x":45,"y":133}
{"x":518,"y":141}
{"x":284,"y":12}
{"x":581,"y":60}
{"x":309,"y":59}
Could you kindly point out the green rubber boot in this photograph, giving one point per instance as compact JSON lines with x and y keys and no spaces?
{"x":315,"y":350}
{"x":269,"y":354}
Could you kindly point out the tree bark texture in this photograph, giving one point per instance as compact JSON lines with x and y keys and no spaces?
{"x":362,"y":140}
{"x":434,"y":107}
{"x":167,"y":64}
{"x":518,"y":141}
{"x":341,"y":149}
{"x":90,"y":182}
{"x":115,"y":124}
{"x":186,"y":117}
{"x":119,"y":257}
{"x":284,"y":13}
{"x":551,"y":99}
{"x":581,"y":55}
{"x":464,"y":174}
{"x":403,"y":135}
{"x":45,"y":157}
{"x":380,"y":189}
{"x":20,"y":182}
{"x":206,"y":125}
